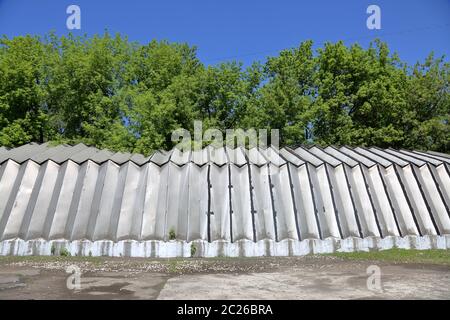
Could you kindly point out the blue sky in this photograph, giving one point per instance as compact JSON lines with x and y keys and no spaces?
{"x":245,"y":30}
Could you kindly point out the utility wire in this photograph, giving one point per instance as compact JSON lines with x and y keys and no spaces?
{"x":387,"y":34}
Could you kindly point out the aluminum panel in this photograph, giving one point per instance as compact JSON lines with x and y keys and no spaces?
{"x":226,"y":202}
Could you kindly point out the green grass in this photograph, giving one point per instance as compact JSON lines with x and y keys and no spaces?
{"x":434,"y":256}
{"x":45,"y":259}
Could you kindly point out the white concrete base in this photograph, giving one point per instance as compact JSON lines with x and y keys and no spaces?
{"x":241,"y":248}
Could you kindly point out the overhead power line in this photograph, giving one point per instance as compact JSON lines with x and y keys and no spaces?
{"x":378,"y":35}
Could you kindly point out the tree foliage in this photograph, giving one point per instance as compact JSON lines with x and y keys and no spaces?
{"x":112,"y":93}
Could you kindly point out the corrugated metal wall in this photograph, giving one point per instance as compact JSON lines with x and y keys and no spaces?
{"x":68,"y":195}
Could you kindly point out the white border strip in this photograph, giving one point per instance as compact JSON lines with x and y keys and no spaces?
{"x":241,"y":248}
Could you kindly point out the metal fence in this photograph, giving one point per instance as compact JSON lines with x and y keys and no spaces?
{"x":225,"y":201}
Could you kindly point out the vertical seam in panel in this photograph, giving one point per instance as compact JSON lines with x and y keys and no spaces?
{"x":314,"y":202}
{"x":166,"y":209}
{"x":389,"y":200}
{"x":75,"y":201}
{"x":188,"y":209}
{"x":11,"y":199}
{"x":208,"y":180}
{"x":430,"y":212}
{"x":274,"y":212}
{"x":438,"y":188}
{"x":291,"y":188}
{"x":446,"y":165}
{"x":146,"y":172}
{"x":413,"y":213}
{"x":230,"y":185}
{"x":51,"y":211}
{"x":120,"y":187}
{"x":358,"y":223}
{"x":336,"y":214}
{"x":252,"y":208}
{"x":407,"y":197}
{"x":34,"y":195}
{"x":98,"y":189}
{"x":139,"y":202}
{"x":369,"y":193}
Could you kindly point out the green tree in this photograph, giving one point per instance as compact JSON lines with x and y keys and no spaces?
{"x":428,"y":99}
{"x":287,"y":94}
{"x":23,"y":112}
{"x":361,"y":97}
{"x":160,"y":93}
{"x":84,"y":88}
{"x":111,"y":93}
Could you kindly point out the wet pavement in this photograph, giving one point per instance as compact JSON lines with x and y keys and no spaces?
{"x":312,"y":277}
